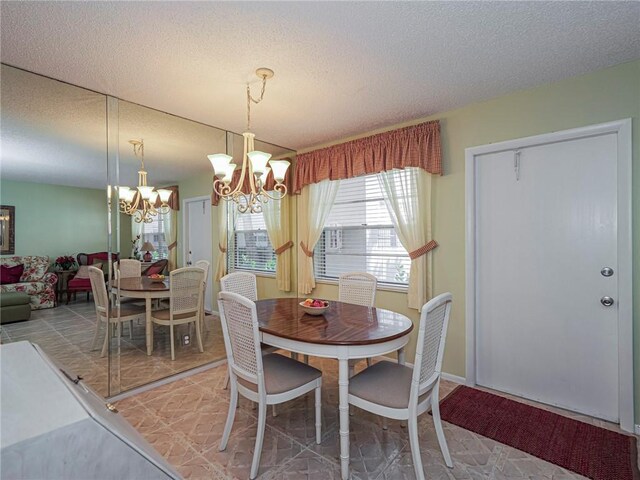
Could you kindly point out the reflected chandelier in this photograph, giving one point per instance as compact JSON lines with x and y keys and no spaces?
{"x":140,"y":202}
{"x":254,"y":164}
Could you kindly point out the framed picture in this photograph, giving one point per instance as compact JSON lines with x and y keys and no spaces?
{"x":7,"y":230}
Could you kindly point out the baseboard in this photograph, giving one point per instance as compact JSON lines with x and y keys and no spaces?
{"x":453,"y":378}
{"x":445,"y":376}
{"x":163,"y":381}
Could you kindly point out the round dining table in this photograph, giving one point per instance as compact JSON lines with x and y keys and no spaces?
{"x":344,"y":332}
{"x":143,"y":287}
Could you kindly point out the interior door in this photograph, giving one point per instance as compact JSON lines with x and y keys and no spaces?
{"x":546,"y":235}
{"x":198,"y":241}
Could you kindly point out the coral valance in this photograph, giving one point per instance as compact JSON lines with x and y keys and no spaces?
{"x":246,"y":188}
{"x":414,"y":146}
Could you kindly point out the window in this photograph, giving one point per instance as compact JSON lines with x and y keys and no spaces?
{"x":154,"y":232}
{"x":359,"y":236}
{"x":251,"y":249}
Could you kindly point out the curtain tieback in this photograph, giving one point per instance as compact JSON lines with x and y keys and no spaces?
{"x":417,"y":253}
{"x":222,"y":249}
{"x":172,"y":245}
{"x":283,"y":248}
{"x":307,"y":252}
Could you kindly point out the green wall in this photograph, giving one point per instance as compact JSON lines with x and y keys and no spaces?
{"x":598,"y":97}
{"x":56,"y":220}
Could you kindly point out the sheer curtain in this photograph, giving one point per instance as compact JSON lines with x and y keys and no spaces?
{"x":315,"y":203}
{"x":223,"y":234}
{"x":408,"y":199}
{"x":276,"y":218}
{"x":136,"y":229}
{"x":170,"y":231}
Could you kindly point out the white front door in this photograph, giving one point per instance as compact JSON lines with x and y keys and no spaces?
{"x":544,"y":233}
{"x":198,"y":238}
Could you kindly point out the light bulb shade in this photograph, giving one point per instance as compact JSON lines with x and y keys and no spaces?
{"x":164,"y":195}
{"x":264,"y":176}
{"x":279,"y":169}
{"x":229,"y":173}
{"x":258,"y":161}
{"x":145,"y":191}
{"x":153,"y":197}
{"x":148,"y":247}
{"x":219,"y":162}
{"x":123,"y":192}
{"x":129,"y":195}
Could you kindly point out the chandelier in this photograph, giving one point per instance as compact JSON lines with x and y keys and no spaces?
{"x":140,"y":203}
{"x":254,"y":165}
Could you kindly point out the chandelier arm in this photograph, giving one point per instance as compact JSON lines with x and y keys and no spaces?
{"x":281,"y":188}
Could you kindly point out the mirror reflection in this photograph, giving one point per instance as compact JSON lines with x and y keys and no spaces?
{"x":54,"y":178}
{"x":165,"y":224}
{"x":82,"y":252}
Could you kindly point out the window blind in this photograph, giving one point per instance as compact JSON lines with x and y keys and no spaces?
{"x":359,"y":236}
{"x":251,"y":249}
{"x":154,"y":232}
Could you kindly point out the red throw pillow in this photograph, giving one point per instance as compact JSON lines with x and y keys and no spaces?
{"x":153,"y":269}
{"x":10,"y":274}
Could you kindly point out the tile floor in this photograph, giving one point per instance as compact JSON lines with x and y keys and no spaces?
{"x":66,"y":334}
{"x":184,"y":422}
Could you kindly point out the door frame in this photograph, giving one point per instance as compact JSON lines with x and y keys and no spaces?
{"x":625,"y":290}
{"x":185,"y":234}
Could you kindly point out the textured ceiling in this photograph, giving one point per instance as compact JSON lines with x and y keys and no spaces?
{"x":341,"y":67}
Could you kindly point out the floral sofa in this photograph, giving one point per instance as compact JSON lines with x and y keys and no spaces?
{"x":35,"y":281}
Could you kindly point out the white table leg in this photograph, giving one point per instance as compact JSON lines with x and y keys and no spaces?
{"x":403,"y":424}
{"x":149,"y":326}
{"x":343,"y":386}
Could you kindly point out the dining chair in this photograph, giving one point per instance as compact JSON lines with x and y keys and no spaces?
{"x":242,"y":283}
{"x":358,"y":288}
{"x":185,"y":290}
{"x":245,"y":284}
{"x":264,"y":379}
{"x":400,"y":392}
{"x":117,"y":315}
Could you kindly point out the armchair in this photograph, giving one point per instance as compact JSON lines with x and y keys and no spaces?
{"x":80,"y":282}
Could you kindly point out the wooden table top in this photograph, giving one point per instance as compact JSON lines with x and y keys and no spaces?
{"x":143,"y":284}
{"x":341,"y":324}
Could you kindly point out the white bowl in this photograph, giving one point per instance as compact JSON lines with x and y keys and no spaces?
{"x":314,"y":310}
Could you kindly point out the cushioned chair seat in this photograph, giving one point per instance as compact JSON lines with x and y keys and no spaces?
{"x":79,"y":284}
{"x":282,"y":374}
{"x":126,"y":310}
{"x":384,"y":383}
{"x":165,"y":315}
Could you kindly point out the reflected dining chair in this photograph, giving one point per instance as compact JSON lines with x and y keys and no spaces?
{"x":185,"y":289}
{"x":263,"y":379}
{"x":127,"y":268}
{"x":204,"y":265}
{"x":358,"y":288}
{"x":117,"y":315}
{"x":402,"y":393}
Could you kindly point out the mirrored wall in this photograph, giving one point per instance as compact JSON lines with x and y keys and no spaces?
{"x":65,"y":152}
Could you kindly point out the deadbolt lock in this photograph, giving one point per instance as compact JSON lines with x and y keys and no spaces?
{"x":606,"y":271}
